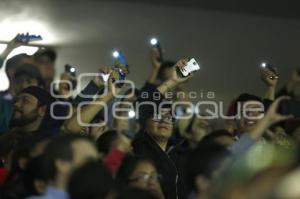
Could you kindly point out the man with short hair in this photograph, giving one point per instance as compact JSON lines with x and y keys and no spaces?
{"x":26,"y":75}
{"x":157,"y":129}
{"x":32,"y":112}
{"x":45,"y":59}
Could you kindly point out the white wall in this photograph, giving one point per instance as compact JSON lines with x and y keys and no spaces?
{"x":228,"y":46}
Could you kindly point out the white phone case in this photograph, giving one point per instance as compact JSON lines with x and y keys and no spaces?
{"x":191,"y":66}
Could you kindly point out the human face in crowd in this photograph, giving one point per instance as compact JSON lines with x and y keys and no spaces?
{"x":199,"y":129}
{"x":247,"y":123}
{"x":23,"y":81}
{"x":146,"y":177}
{"x":160,"y":127}
{"x":47,"y":68}
{"x":26,"y":110}
{"x":64,"y":88}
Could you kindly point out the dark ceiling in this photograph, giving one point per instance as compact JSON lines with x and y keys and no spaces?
{"x":278,"y":8}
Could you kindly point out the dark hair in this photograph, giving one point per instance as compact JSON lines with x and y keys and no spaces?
{"x":127,"y":167}
{"x":51,"y":54}
{"x":92,"y":181}
{"x":244,"y":97}
{"x":204,"y":160}
{"x":105,"y":140}
{"x":14,"y":183}
{"x":59,"y":148}
{"x":30,"y":71}
{"x":9,"y":142}
{"x":136,"y":193}
{"x":34,"y":171}
{"x":22,"y":150}
{"x":210,"y":138}
{"x":165,"y":65}
{"x":15,"y":61}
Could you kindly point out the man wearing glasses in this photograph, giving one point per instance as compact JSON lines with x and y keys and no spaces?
{"x":157,"y":128}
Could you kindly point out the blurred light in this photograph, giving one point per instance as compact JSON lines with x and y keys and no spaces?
{"x":29,"y":50}
{"x":153,"y":41}
{"x":131,"y":113}
{"x":263,"y":64}
{"x":189,"y":110}
{"x":116,"y":54}
{"x":72,"y":70}
{"x":14,"y":26}
{"x":260,"y":156}
{"x":2,"y":48}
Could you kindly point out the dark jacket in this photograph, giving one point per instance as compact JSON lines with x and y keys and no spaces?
{"x":145,"y":146}
{"x":167,"y":163}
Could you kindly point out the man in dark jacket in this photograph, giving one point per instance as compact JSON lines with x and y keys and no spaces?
{"x":157,"y":128}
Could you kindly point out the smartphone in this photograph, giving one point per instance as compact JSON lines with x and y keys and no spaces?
{"x":120,"y":59}
{"x":156,"y":45}
{"x":28,"y":37}
{"x":191,"y":66}
{"x":70,"y":69}
{"x":270,"y":68}
{"x":287,"y":107}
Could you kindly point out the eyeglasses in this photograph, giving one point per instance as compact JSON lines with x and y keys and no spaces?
{"x":165,"y":118}
{"x":146,"y":177}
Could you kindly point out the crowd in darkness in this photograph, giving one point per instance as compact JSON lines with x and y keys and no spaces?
{"x":67,"y":152}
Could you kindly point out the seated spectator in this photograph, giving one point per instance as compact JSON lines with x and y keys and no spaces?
{"x":139,"y":172}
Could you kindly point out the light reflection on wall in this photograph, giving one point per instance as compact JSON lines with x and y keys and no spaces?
{"x":10,"y":28}
{"x":29,"y":50}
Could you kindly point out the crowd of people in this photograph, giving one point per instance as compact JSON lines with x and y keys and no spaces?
{"x":111,"y":140}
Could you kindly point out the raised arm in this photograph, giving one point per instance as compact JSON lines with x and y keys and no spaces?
{"x":156,"y":64}
{"x":271,"y":83}
{"x":90,"y":110}
{"x":13,"y":44}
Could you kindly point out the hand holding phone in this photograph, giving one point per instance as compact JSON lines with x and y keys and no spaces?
{"x":70,"y":69}
{"x":189,"y":68}
{"x":156,"y":49}
{"x":120,"y":58}
{"x":267,"y":66}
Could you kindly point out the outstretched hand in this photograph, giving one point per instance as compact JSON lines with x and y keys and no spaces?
{"x":267,"y":77}
{"x":176,"y":76}
{"x":271,"y":117}
{"x":15,"y":43}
